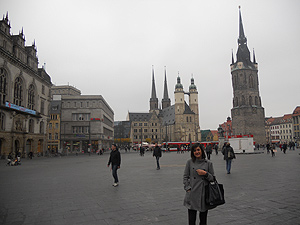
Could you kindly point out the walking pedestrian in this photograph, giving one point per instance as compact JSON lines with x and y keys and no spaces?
{"x":284,"y":147}
{"x":115,"y":161}
{"x":157,"y":154}
{"x":197,"y":173}
{"x":228,"y":156}
{"x":272,"y":148}
{"x":216,"y":147}
{"x":208,"y":151}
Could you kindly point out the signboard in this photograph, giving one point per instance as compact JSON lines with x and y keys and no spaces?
{"x":19,"y":108}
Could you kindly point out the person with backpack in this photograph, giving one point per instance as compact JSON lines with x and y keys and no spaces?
{"x":115,"y":161}
{"x":229,"y":155}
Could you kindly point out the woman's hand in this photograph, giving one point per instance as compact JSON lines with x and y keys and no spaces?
{"x":201,"y":172}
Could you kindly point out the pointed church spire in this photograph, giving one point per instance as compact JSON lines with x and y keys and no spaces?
{"x":153,"y":93}
{"x":243,"y":53}
{"x":242,"y":39}
{"x":153,"y":99}
{"x":166,"y":101}
{"x":166,"y":95}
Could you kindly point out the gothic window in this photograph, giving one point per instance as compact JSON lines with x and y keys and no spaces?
{"x":42,"y":107}
{"x":3,"y":85}
{"x":256,"y":100}
{"x":18,"y":91}
{"x":235,"y":81}
{"x":31,"y":97}
{"x":2,"y":119}
{"x":187,"y":119}
{"x":42,"y":127}
{"x":250,"y":100}
{"x":31,"y":124}
{"x":251,"y":82}
{"x":43,"y":89}
{"x":243,"y":100}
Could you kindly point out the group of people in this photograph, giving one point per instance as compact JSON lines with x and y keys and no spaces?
{"x":197,"y":173}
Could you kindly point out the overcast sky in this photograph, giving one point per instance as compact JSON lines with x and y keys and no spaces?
{"x":108,"y":48}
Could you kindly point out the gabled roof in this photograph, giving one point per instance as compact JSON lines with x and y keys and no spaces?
{"x":187,"y":109}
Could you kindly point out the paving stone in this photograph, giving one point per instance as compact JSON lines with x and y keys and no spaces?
{"x":78,"y":190}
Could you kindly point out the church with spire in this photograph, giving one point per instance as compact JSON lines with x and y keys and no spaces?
{"x":248,"y":115}
{"x":166,"y":122}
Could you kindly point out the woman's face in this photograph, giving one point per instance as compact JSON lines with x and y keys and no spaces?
{"x":198,"y":153}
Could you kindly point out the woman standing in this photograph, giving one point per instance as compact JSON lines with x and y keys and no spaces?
{"x":197,"y":173}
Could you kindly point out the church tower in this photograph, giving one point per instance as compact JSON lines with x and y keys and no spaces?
{"x":179,"y":110}
{"x":248,"y":115}
{"x":166,"y":102}
{"x":193,"y":103}
{"x":153,"y":99}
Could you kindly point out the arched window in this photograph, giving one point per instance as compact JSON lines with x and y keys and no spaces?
{"x":31,"y":126}
{"x":251,"y":82}
{"x":42,"y":127}
{"x":18,"y":91}
{"x":2,"y":120}
{"x":256,"y":100}
{"x":31,"y":97}
{"x":3,"y":85}
{"x":243,"y":100}
{"x":250,"y":100}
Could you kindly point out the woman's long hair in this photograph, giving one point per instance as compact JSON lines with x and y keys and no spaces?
{"x":194,"y":146}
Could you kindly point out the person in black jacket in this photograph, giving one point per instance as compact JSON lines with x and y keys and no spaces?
{"x":115,"y":161}
{"x":229,"y":155}
{"x":157,"y":154}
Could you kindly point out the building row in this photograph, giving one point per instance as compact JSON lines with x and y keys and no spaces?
{"x":36,"y":116}
{"x":284,"y":129}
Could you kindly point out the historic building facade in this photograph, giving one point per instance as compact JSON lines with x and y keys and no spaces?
{"x":24,"y":94}
{"x":177,"y":122}
{"x":248,"y":115}
{"x":86,"y":119}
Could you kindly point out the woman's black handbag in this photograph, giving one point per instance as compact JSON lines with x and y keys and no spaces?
{"x":214,"y":194}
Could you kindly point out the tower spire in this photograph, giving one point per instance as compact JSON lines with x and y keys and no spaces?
{"x":153,"y":93}
{"x":153,"y":99}
{"x":242,"y":39}
{"x":166,"y":102}
{"x":243,"y":53}
{"x":166,"y":95}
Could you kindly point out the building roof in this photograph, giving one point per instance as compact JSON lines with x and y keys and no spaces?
{"x":139,"y":116}
{"x":296,"y":111}
{"x":168,"y":115}
{"x":187,"y":109}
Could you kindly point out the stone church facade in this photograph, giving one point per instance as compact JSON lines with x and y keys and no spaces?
{"x":248,"y":115}
{"x":170,"y":123}
{"x":25,"y":96}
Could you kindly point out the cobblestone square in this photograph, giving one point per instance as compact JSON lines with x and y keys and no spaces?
{"x":78,"y":190}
